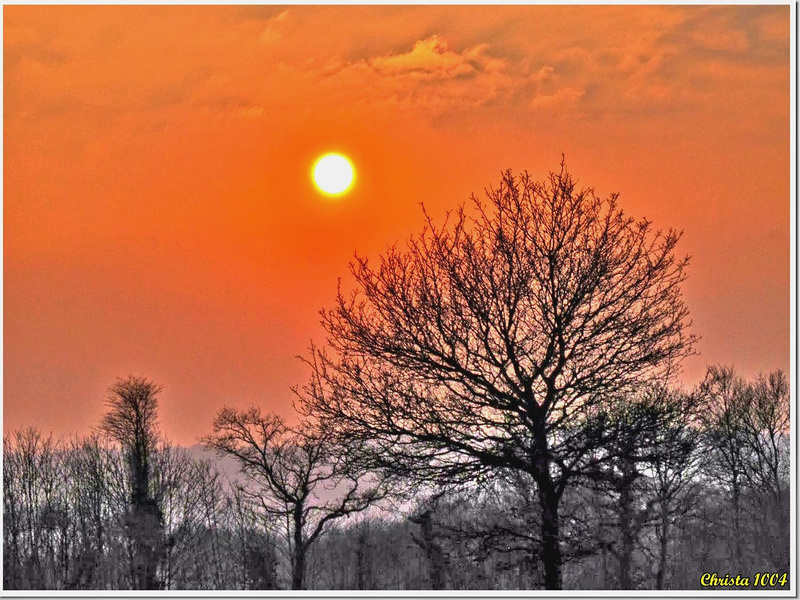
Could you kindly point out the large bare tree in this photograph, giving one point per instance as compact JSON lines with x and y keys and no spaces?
{"x":484,"y":342}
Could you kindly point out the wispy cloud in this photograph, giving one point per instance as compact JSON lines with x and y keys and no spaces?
{"x":431,"y":58}
{"x":430,"y":74}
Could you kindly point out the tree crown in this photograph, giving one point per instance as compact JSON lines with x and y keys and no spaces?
{"x":500,"y":326}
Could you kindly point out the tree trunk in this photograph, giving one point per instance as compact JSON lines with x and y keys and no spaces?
{"x":551,"y":548}
{"x":663,"y":535}
{"x":437,"y":561}
{"x":299,"y":558}
{"x":298,"y":567}
{"x":434,"y":554}
{"x":626,"y":533}
{"x":361,"y":566}
{"x":146,"y":530}
{"x":737,"y":544}
{"x":549,"y":499}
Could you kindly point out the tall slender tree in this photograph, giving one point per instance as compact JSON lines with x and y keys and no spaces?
{"x":767,"y":429}
{"x":725,"y":428}
{"x":674,"y":464}
{"x":132,"y":420}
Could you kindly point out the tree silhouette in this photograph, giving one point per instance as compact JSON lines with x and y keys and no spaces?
{"x":645,"y":460}
{"x":674,"y":462}
{"x":626,"y":438}
{"x":132,"y":421}
{"x":485,"y":340}
{"x":747,"y":433}
{"x":768,"y":433}
{"x":725,"y":426}
{"x":292,"y":473}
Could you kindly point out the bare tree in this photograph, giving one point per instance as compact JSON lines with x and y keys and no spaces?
{"x":767,"y":429}
{"x":435,"y":555}
{"x":13,"y":516}
{"x":131,"y":420}
{"x":501,"y":517}
{"x":625,"y":438}
{"x":478,"y":344}
{"x":747,"y":434}
{"x":95,"y":508}
{"x":674,"y":465}
{"x":254,"y":545}
{"x":725,"y":426}
{"x":646,"y":448}
{"x":33,"y":485}
{"x":293,"y":472}
{"x":766,"y":432}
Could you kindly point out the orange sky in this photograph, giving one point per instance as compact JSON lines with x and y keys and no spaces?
{"x":158,"y":213}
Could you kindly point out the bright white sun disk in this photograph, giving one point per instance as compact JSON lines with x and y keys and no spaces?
{"x":333,"y":173}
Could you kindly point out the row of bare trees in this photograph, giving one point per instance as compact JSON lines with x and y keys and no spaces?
{"x":122,"y":509}
{"x":521,"y":355}
{"x":677,"y":484}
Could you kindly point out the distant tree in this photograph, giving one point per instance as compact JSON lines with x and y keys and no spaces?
{"x":674,"y":465}
{"x":746,"y":429}
{"x":13,"y":518}
{"x":293,"y":475}
{"x":33,"y":482}
{"x":725,"y":427}
{"x":132,"y":420}
{"x":646,"y":445}
{"x":481,"y":343}
{"x":645,"y":462}
{"x":255,"y":552}
{"x":491,"y":524}
{"x":427,"y":540}
{"x":97,"y":510}
{"x":626,"y":440}
{"x":767,"y":431}
{"x":191,"y":498}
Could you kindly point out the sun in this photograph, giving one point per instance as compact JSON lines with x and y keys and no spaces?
{"x":333,"y":174}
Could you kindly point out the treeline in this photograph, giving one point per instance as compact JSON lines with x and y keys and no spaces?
{"x":68,"y":523}
{"x":683,"y":484}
